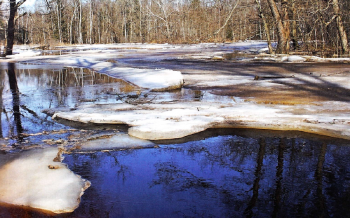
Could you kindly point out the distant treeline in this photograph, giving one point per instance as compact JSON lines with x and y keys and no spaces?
{"x":310,"y":25}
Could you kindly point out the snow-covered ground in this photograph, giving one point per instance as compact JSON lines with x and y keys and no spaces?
{"x":214,"y":51}
{"x":286,"y":95}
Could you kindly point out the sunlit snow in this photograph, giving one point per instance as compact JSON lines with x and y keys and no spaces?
{"x":33,"y":179}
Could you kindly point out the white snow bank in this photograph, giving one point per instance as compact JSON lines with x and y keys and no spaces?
{"x":118,"y":141}
{"x":263,"y":50}
{"x":24,"y":53}
{"x":293,"y":58}
{"x":28,"y":180}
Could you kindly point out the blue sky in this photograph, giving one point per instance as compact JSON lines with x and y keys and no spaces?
{"x":29,"y":4}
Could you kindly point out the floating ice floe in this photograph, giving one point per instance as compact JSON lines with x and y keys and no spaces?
{"x":33,"y":179}
{"x":177,"y":120}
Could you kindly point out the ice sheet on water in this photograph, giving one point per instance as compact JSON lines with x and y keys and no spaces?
{"x":33,"y":179}
{"x":176,"y":120}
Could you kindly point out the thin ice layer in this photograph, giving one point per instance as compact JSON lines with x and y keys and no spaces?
{"x":33,"y":179}
{"x":118,"y":141}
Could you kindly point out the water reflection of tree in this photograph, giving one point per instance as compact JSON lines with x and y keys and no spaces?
{"x":232,"y":154}
{"x":289,"y":177}
{"x":321,"y":204}
{"x":2,"y":80}
{"x":279,"y":177}
{"x":259,"y":163}
{"x":99,"y":168}
{"x":15,"y":99}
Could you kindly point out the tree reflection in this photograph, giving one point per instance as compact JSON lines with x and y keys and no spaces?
{"x":221,"y":176}
{"x":279,"y":177}
{"x":321,"y":204}
{"x":1,"y":104}
{"x":249,"y":211}
{"x":15,"y":99}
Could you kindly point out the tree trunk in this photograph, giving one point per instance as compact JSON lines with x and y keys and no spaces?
{"x":294,"y":27}
{"x":59,"y":22}
{"x":11,"y":28}
{"x":11,"y":25}
{"x":282,"y":26}
{"x":340,"y":26}
{"x":91,"y":21}
{"x":266,"y":27}
{"x":80,"y":39}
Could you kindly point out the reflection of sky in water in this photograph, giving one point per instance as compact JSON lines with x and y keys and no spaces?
{"x":222,"y":176}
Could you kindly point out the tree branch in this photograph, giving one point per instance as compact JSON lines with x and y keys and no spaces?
{"x":20,"y":3}
{"x":329,"y":22}
{"x":20,"y":15}
{"x":228,"y":18}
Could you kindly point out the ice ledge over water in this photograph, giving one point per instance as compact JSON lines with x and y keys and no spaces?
{"x":152,"y":79}
{"x":177,"y":120}
{"x":155,"y":80}
{"x":33,"y":179}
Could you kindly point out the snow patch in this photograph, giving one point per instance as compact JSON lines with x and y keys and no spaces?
{"x":293,"y":58}
{"x":156,"y":80}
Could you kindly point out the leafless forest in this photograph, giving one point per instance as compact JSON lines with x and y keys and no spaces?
{"x":313,"y":26}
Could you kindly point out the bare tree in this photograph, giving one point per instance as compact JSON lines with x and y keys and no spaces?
{"x":283,"y":31}
{"x":190,"y":21}
{"x":163,"y":10}
{"x":228,"y":18}
{"x":341,"y":30}
{"x":266,"y":27}
{"x":11,"y":25}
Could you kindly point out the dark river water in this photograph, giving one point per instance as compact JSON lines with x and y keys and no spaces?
{"x":217,"y":173}
{"x":227,"y":175}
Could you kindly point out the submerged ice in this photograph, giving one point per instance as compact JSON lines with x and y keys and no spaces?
{"x":113,"y":141}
